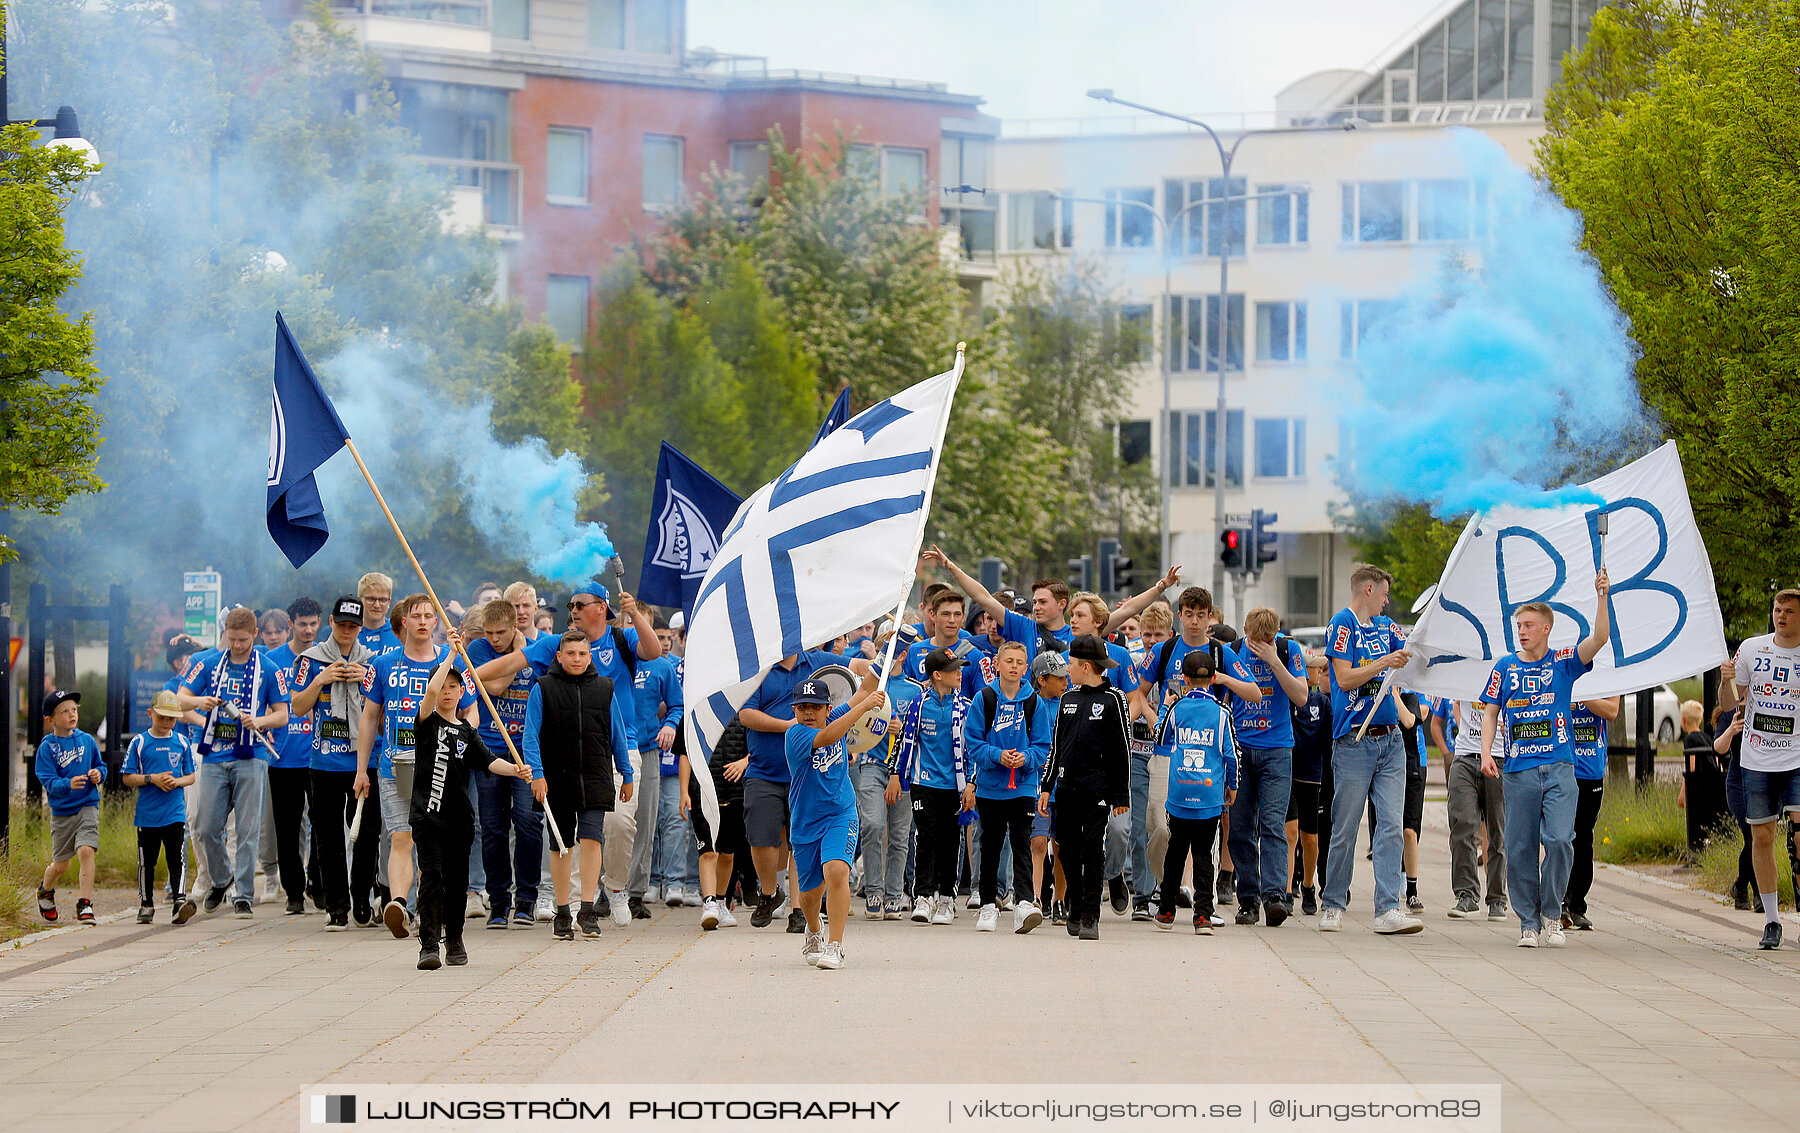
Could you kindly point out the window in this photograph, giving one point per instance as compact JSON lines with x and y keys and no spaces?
{"x":1130,"y":221}
{"x":975,"y":229}
{"x":1303,"y":596}
{"x":606,"y":24}
{"x":1202,"y":227}
{"x":1038,"y":221}
{"x":1374,"y":212}
{"x":1452,"y":210}
{"x":566,"y":166}
{"x":964,"y":161}
{"x":1136,"y":335}
{"x":1134,"y":442}
{"x":1357,"y":318}
{"x":1518,"y":50}
{"x":1194,"y":327}
{"x":566,"y":307}
{"x":653,"y":27}
{"x":898,"y":171}
{"x":1281,"y":332}
{"x":1280,"y":447}
{"x":1194,"y":449}
{"x":662,"y":172}
{"x":511,"y":18}
{"x":1281,"y":219}
{"x":1459,"y":62}
{"x":750,"y":160}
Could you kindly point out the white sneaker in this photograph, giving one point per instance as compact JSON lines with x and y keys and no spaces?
{"x":690,"y":898}
{"x":1553,"y":936}
{"x":974,"y":900}
{"x":1026,"y":917}
{"x":671,"y":897}
{"x":943,"y":910}
{"x":709,"y":914}
{"x":831,"y":956}
{"x":652,"y":895}
{"x":476,"y":907}
{"x":1395,"y":922}
{"x":621,"y":906}
{"x":1527,"y":938}
{"x":726,"y":919}
{"x":921,"y":913}
{"x":546,"y":908}
{"x":989,"y":918}
{"x":1331,"y":920}
{"x":811,"y":947}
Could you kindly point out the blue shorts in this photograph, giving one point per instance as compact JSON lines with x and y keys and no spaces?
{"x":1040,"y":823}
{"x":838,"y":845}
{"x":1768,"y":793}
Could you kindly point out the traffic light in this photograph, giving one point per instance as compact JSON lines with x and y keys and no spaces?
{"x":1262,"y":539}
{"x":1081,"y":573}
{"x":992,"y":575}
{"x":1108,"y":551}
{"x":1231,"y":553}
{"x":1122,"y":574}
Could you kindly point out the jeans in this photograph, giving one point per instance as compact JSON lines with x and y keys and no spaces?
{"x":886,"y":831}
{"x":1540,"y":815}
{"x":1588,"y":793}
{"x":1473,"y":798}
{"x":511,"y":864}
{"x":1141,"y":880}
{"x":647,"y":809}
{"x":1117,"y":852}
{"x":1259,"y":824}
{"x":233,"y":786}
{"x":674,"y":839}
{"x":1370,"y":770}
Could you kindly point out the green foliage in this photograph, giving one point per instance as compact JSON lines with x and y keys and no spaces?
{"x":1640,"y":824}
{"x":1718,"y":864}
{"x":1405,"y":540}
{"x":1674,"y":136}
{"x":49,"y":427}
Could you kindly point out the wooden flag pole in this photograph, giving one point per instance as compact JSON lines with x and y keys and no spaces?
{"x":562,"y":847}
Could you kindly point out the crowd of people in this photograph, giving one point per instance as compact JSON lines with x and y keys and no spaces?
{"x":402,"y":773}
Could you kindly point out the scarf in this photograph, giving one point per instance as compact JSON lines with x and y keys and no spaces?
{"x":347,"y":698}
{"x":217,"y":683}
{"x":906,"y":748}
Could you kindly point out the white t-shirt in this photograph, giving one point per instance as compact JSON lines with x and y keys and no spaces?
{"x":1768,"y":682}
{"x":1468,"y":732}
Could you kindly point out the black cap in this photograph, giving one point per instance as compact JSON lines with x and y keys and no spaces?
{"x":812,"y":692}
{"x":1091,"y":649}
{"x":941,"y":659}
{"x":1197,"y":663}
{"x":55,"y":700}
{"x":347,"y":609}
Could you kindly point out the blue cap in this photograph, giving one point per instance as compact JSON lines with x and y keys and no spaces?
{"x":812,"y":692}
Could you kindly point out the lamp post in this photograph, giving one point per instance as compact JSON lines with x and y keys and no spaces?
{"x":67,"y":136}
{"x":1226,"y":157}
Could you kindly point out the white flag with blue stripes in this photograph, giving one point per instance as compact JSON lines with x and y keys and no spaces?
{"x":830,"y":545}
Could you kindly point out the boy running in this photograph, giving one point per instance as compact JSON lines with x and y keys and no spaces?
{"x":160,"y":764}
{"x":69,"y":767}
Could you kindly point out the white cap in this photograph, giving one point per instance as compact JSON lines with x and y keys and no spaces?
{"x":676,"y":621}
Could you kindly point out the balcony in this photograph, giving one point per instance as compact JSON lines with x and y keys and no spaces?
{"x":484,"y":195}
{"x":447,"y":25}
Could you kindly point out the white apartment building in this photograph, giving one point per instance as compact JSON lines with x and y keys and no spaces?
{"x":1340,"y":222}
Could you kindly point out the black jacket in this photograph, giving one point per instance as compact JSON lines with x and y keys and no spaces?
{"x":1090,"y":748}
{"x":575,"y":739}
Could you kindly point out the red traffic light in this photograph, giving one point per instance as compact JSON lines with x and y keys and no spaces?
{"x":1231,"y":539}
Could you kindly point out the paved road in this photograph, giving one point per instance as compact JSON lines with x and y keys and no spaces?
{"x":1665,"y":1018}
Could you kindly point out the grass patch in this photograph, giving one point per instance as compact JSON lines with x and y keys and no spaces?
{"x":22,"y":864}
{"x":1640,"y":824}
{"x":1718,"y":866}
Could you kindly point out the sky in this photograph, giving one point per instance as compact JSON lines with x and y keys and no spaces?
{"x":1038,"y":58}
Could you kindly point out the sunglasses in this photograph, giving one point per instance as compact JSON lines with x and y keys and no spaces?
{"x":577,"y":607}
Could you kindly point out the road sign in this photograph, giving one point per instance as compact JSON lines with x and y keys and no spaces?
{"x":202,"y":593}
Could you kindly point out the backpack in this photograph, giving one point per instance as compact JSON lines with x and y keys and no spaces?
{"x":627,"y":652}
{"x":1283,"y":652}
{"x":990,"y":699}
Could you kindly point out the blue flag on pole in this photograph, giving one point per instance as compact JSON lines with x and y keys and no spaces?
{"x":304,"y":431}
{"x":840,"y":412}
{"x":688,"y":511}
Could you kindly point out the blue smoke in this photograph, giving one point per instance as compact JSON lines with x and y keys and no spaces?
{"x":1509,"y":367}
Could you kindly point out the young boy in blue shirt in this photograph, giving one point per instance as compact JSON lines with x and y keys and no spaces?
{"x":69,"y":767}
{"x":160,"y":764}
{"x":822,"y":818}
{"x":1196,"y":731}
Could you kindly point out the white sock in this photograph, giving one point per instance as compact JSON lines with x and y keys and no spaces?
{"x":1771,"y":904}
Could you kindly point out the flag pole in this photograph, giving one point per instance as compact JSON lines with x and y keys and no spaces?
{"x":562,"y":847}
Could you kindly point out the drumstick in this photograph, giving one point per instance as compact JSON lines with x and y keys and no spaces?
{"x":356,"y":819}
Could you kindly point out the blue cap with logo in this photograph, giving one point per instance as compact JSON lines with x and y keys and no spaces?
{"x":812,"y":692}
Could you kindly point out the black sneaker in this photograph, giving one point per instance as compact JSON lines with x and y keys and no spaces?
{"x":146,"y":914}
{"x":563,"y":927}
{"x":47,"y":904}
{"x":589,"y":921}
{"x":796,"y":922}
{"x":1771,"y":937}
{"x":455,"y":954}
{"x":428,"y":958}
{"x":337,"y":922}
{"x":1121,"y":900}
{"x":315,"y":892}
{"x":184,"y":910}
{"x":524,"y":917}
{"x":497,"y":922}
{"x":1165,"y":921}
{"x":362,"y":912}
{"x":1309,"y":901}
{"x":639,"y":911}
{"x":603,"y":903}
{"x":765,"y":908}
{"x":241,"y":910}
{"x":1073,"y":924}
{"x":1740,"y":897}
{"x":1275,"y":912}
{"x":1225,"y":892}
{"x":1059,"y":913}
{"x":1090,"y":930}
{"x":296,"y":906}
{"x":214,"y":898}
{"x":1248,"y":913}
{"x":1140,"y":911}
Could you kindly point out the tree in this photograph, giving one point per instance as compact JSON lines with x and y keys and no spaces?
{"x":49,"y":427}
{"x":1673,"y":134}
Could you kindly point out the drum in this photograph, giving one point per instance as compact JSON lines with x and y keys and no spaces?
{"x":840,"y":680}
{"x":874,"y":727}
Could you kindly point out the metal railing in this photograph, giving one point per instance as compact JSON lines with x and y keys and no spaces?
{"x":468,"y":13}
{"x":1106,"y":125}
{"x":498,"y":182}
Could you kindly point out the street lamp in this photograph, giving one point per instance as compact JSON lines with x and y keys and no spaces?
{"x":1225,"y":159}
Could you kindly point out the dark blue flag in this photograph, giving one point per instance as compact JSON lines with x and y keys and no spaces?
{"x":689,"y":510}
{"x":304,"y":431}
{"x":840,"y":412}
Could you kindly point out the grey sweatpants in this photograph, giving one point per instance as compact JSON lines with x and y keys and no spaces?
{"x":1474,"y":797}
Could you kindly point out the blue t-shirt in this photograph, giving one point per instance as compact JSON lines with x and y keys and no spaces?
{"x":768,"y":758}
{"x":1017,"y":627}
{"x":820,"y":798}
{"x":62,"y":758}
{"x":658,"y":705}
{"x":912,"y":666}
{"x":378,"y":641}
{"x":1269,"y":724}
{"x":607,"y":661}
{"x":1359,"y":643}
{"x":331,"y":746}
{"x":294,"y":742}
{"x":397,"y":684}
{"x":509,"y":701}
{"x":255,"y":686}
{"x":1590,"y":741}
{"x":152,"y":755}
{"x":1534,"y":697}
